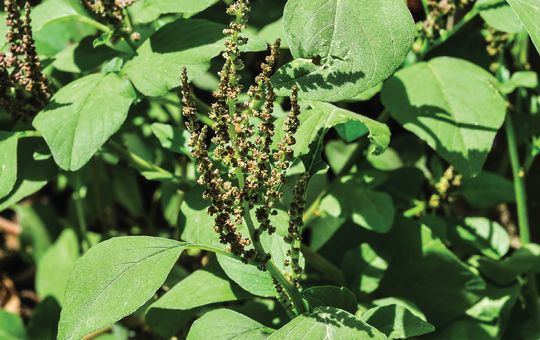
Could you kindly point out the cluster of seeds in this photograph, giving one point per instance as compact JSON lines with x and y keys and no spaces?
{"x":256,"y":174}
{"x":23,"y":87}
{"x":111,"y":10}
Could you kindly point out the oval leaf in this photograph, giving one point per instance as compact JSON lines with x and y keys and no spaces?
{"x":451,"y":104}
{"x":397,"y":322}
{"x":341,"y":298}
{"x":152,"y":9}
{"x":82,"y":116}
{"x":191,"y":43}
{"x":327,"y":323}
{"x":52,"y":11}
{"x":227,"y":324}
{"x":8,"y":162}
{"x":528,"y":12}
{"x":112,"y":280}
{"x":343,"y":47}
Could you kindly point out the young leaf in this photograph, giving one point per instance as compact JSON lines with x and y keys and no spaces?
{"x":190,"y":293}
{"x":191,"y":43}
{"x":365,"y":266}
{"x":8,"y":162}
{"x":11,"y":326}
{"x":248,"y":276}
{"x":327,"y":323}
{"x":488,"y":237}
{"x":55,"y":265}
{"x":152,"y":9}
{"x":397,"y":322}
{"x":34,"y":237}
{"x":32,"y":174}
{"x":341,"y":298}
{"x":44,"y":322}
{"x":487,"y":190}
{"x":112,"y":280}
{"x":52,"y":11}
{"x":82,"y":116}
{"x":370,"y":209}
{"x":528,"y":12}
{"x":504,"y":272}
{"x":499,"y":16}
{"x":342,"y":47}
{"x":452,"y":105}
{"x":227,"y":324}
{"x":424,"y":271}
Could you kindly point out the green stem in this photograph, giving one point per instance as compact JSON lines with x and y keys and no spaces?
{"x":94,"y":23}
{"x":523,"y":221}
{"x":26,"y":134}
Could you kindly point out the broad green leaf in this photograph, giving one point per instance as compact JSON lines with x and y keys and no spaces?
{"x":172,"y":138}
{"x":112,"y":280}
{"x":32,"y":174}
{"x":172,"y":312}
{"x":327,"y":323}
{"x":190,"y":43}
{"x":452,"y":105}
{"x":152,"y":9}
{"x":81,"y":57}
{"x":364,"y":266}
{"x":366,"y":95}
{"x":499,"y":16}
{"x":504,"y":272}
{"x":337,"y":297}
{"x":487,"y":319}
{"x":227,"y":324}
{"x":397,"y":322}
{"x":271,"y":32}
{"x":316,"y":122}
{"x":34,"y":237}
{"x":342,"y":47}
{"x":487,"y":190}
{"x":370,"y":209}
{"x":44,"y":322}
{"x":82,"y":116}
{"x":338,"y":153}
{"x":248,"y":277}
{"x":11,"y":326}
{"x":127,"y":191}
{"x":8,"y":162}
{"x":488,"y":237}
{"x":528,"y":12}
{"x":52,"y":11}
{"x":55,"y":265}
{"x":190,"y":293}
{"x":424,"y":271}
{"x":388,"y":161}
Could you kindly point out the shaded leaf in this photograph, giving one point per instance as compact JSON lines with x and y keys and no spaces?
{"x":358,"y":45}
{"x":338,"y":297}
{"x":488,"y":237}
{"x":34,"y":237}
{"x":172,"y":138}
{"x":55,"y":265}
{"x":103,"y":288}
{"x":82,"y":116}
{"x":364,"y":266}
{"x":227,"y":324}
{"x":327,"y":323}
{"x":11,"y":326}
{"x":152,"y":9}
{"x":52,"y":11}
{"x":455,"y":108}
{"x":487,"y":190}
{"x":8,"y":162}
{"x":499,"y":16}
{"x":396,"y":321}
{"x":44,"y":322}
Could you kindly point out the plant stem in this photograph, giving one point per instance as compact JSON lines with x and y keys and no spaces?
{"x":26,"y":134}
{"x":94,"y":23}
{"x":523,"y":221}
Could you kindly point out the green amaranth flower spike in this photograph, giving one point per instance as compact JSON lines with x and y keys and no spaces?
{"x":23,"y":87}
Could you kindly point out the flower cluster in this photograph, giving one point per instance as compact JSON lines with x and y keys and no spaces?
{"x":23,"y":87}
{"x":111,"y":10}
{"x":256,"y":174}
{"x":438,"y":11}
{"x":446,"y":185}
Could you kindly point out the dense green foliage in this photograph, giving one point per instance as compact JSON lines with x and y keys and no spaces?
{"x":143,"y":191}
